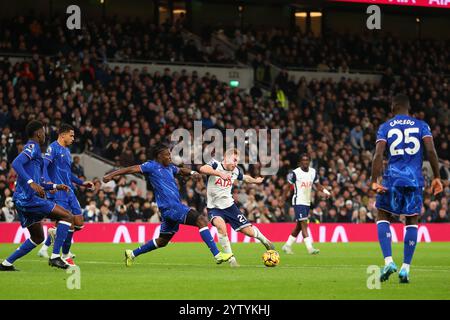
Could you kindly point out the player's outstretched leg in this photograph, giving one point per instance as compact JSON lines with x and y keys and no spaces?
{"x":65,"y":221}
{"x":36,"y":238}
{"x":384,"y":238}
{"x":160,"y":242}
{"x":222,"y":234}
{"x":194,"y":218}
{"x":43,"y":252}
{"x":410,"y":242}
{"x":254,"y":232}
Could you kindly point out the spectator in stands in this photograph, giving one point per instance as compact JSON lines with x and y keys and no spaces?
{"x":361,"y":215}
{"x":356,"y":139}
{"x":431,"y":213}
{"x":126,"y":158}
{"x":332,"y":216}
{"x":147,"y":211}
{"x":113,"y":151}
{"x":8,"y":211}
{"x":120,"y":213}
{"x":105,"y":213}
{"x":442,"y":217}
{"x":133,"y":190}
{"x":345,"y":213}
{"x":91,"y":213}
{"x":100,"y":198}
{"x":4,"y":167}
{"x":349,"y":206}
{"x":77,"y":168}
{"x":134,"y":212}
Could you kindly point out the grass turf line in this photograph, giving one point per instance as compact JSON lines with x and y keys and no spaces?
{"x":188,"y":271}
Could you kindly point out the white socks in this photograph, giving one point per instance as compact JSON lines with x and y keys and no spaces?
{"x":43,"y":248}
{"x":259,"y":235}
{"x":6,"y":263}
{"x":406,"y":267}
{"x":388,"y":260}
{"x":290,"y":240}
{"x":308,"y":243}
{"x":224,"y":243}
{"x":54,"y":256}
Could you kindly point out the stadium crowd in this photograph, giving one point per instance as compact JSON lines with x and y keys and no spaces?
{"x":120,"y":113}
{"x":340,"y":52}
{"x":110,"y":39}
{"x":137,"y":39}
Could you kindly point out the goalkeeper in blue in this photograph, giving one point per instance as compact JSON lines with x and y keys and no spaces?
{"x":161,"y":174}
{"x":30,"y":201}
{"x":399,"y":190}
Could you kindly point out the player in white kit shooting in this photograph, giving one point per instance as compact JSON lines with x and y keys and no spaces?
{"x":220,"y":203}
{"x":303,"y":179}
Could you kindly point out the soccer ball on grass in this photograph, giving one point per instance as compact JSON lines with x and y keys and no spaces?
{"x":271,"y":258}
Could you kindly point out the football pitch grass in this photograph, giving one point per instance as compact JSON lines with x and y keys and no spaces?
{"x":188,"y":271}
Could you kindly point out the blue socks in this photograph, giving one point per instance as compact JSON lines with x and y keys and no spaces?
{"x":61,"y":235}
{"x":48,"y":241}
{"x":384,"y":237}
{"x":410,"y":242}
{"x":67,"y":243}
{"x":149,"y":246}
{"x":26,"y":247}
{"x":204,"y":233}
{"x":206,"y":237}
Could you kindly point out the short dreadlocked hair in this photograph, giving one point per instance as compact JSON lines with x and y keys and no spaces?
{"x":32,"y":127}
{"x":157,"y":149}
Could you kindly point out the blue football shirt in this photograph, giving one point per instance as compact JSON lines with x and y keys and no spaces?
{"x":33,"y":168}
{"x":164,"y":184}
{"x":403,"y":135}
{"x":59,"y":169}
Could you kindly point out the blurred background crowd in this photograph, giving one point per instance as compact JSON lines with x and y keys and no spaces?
{"x":120,"y":113}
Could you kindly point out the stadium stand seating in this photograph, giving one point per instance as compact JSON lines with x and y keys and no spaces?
{"x":120,"y":113}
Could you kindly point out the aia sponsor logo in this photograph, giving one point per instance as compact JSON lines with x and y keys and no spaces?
{"x":306,"y":184}
{"x":223,"y":183}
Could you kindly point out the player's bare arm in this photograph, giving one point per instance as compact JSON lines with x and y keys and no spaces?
{"x":38,"y":189}
{"x":377,"y":167}
{"x":322,"y":189}
{"x":57,"y":186}
{"x":121,"y":172}
{"x":250,"y":179}
{"x":87,"y":184}
{"x":187,"y":171}
{"x":208,"y":170}
{"x":436,"y":184}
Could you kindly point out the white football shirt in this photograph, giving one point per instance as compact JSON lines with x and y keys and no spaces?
{"x":218,"y":190}
{"x":302,"y":182}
